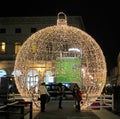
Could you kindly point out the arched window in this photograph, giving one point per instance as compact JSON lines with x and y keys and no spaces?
{"x":17,"y":73}
{"x":32,"y":80}
{"x":2,"y":73}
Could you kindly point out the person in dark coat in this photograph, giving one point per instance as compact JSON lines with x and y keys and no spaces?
{"x":77,"y":96}
{"x":60,"y":95}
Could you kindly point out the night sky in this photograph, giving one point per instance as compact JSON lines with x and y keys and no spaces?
{"x":101,"y":19}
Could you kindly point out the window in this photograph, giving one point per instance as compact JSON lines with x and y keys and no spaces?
{"x":2,"y":73}
{"x":33,"y":30}
{"x":32,"y":80}
{"x":2,"y":47}
{"x":2,"y":30}
{"x":17,"y":47}
{"x":18,"y":30}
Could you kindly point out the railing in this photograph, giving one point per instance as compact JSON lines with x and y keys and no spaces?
{"x":17,"y":97}
{"x":102,"y":101}
{"x":16,"y":109}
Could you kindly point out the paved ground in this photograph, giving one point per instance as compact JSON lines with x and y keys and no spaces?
{"x":68,"y":112}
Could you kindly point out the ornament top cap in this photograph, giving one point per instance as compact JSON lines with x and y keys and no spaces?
{"x":61,"y":19}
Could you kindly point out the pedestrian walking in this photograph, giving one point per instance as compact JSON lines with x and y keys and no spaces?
{"x":60,"y":95}
{"x":43,"y":96}
{"x":77,"y":96}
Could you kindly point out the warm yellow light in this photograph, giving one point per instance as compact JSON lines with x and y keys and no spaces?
{"x":3,"y":45}
{"x":39,"y":69}
{"x":44,"y":47}
{"x":17,"y":47}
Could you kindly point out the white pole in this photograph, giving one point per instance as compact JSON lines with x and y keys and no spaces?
{"x":112,"y":102}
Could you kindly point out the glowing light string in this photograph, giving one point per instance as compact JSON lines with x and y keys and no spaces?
{"x":44,"y":48}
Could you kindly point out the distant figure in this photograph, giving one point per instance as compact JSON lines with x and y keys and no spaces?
{"x":60,"y":95}
{"x":77,"y":96}
{"x":43,"y":93}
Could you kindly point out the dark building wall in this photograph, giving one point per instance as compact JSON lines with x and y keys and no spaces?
{"x":25,"y":24}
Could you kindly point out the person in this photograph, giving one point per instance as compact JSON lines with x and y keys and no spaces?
{"x":77,"y":96}
{"x":60,"y":95}
{"x":43,"y":97}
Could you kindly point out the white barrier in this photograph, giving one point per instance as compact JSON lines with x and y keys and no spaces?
{"x":103,"y":101}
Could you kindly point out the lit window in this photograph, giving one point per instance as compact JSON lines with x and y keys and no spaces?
{"x":2,"y":47}
{"x":17,"y":47}
{"x":32,"y":81}
{"x":2,"y":73}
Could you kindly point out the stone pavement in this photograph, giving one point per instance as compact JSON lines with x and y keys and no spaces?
{"x":105,"y":114}
{"x":68,"y":112}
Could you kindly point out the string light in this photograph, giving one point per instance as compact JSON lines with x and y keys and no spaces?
{"x":46,"y":45}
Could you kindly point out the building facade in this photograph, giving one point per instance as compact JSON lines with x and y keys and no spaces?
{"x":114,"y":78}
{"x":15,"y":30}
{"x":118,"y":79}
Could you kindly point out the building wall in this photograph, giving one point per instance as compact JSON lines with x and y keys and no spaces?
{"x":8,"y":66}
{"x":10,"y":37}
{"x":114,"y":77}
{"x":118,"y":81}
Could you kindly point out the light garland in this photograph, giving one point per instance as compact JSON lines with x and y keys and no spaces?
{"x":42,"y":49}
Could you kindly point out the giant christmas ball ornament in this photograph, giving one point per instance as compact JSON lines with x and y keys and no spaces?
{"x":63,"y":53}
